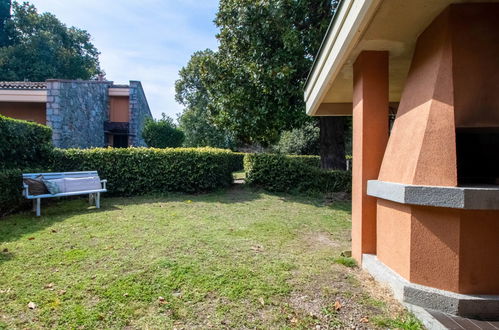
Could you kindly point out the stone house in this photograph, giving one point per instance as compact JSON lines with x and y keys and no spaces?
{"x":82,"y":114}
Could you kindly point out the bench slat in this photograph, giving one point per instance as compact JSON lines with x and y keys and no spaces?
{"x":74,"y":193}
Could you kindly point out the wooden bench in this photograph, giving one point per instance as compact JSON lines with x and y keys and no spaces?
{"x":93,"y":194}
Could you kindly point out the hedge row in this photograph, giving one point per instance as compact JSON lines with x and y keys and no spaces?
{"x":314,"y":161}
{"x":134,"y":171}
{"x":23,"y":143}
{"x":282,"y":173}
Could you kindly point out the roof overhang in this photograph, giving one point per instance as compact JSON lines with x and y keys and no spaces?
{"x":16,"y":95}
{"x":388,"y":25}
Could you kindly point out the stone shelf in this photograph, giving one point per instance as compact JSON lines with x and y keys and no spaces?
{"x":466,"y":197}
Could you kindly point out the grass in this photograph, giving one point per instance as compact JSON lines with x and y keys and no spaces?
{"x":232,"y":259}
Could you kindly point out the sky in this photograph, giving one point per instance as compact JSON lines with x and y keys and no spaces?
{"x":146,"y":40}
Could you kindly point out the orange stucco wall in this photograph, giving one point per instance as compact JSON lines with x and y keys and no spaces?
{"x":479,"y":252}
{"x":119,"y":109}
{"x":27,"y":111}
{"x":421,"y":149}
{"x":452,"y":83}
{"x":370,"y":127}
{"x":394,"y":236}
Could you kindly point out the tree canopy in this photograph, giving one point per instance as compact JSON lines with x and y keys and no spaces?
{"x":191,"y":92}
{"x":39,"y":47}
{"x":255,"y":81}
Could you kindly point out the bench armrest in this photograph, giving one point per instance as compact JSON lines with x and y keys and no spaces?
{"x":103,"y":183}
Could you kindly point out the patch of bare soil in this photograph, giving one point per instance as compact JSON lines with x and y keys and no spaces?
{"x":342,"y":298}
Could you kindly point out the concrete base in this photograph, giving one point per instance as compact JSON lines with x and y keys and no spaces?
{"x":470,"y":306}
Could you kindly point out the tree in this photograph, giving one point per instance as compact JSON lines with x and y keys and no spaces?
{"x":40,"y":47}
{"x":300,"y":141}
{"x":162,"y":133}
{"x":4,"y":17}
{"x":191,"y":92}
{"x":266,"y":51}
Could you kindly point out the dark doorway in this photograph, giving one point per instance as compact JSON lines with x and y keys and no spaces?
{"x":477,"y":155}
{"x":120,"y":141}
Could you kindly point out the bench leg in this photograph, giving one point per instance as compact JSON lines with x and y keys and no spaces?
{"x":38,"y":207}
{"x":91,"y":198}
{"x":97,"y":201}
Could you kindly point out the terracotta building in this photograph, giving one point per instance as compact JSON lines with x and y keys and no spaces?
{"x":82,"y":114}
{"x":425,"y":214}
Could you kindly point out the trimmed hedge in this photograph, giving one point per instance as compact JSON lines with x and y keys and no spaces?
{"x":314,"y":161}
{"x":134,"y":171}
{"x":23,"y":144}
{"x":281,"y":173}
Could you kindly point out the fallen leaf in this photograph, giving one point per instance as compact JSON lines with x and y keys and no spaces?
{"x":262,"y":302}
{"x":31,"y":305}
{"x":337,"y":305}
{"x":365,"y":319}
{"x":31,"y":238}
{"x":49,"y":286}
{"x":125,"y":294}
{"x":257,"y":248}
{"x":54,"y":231}
{"x":294,"y":320}
{"x":61,"y":292}
{"x":5,"y":250}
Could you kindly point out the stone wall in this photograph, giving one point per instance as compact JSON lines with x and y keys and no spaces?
{"x":76,"y":111}
{"x":139,"y":112}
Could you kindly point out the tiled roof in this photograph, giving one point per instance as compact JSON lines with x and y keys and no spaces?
{"x":120,"y":86}
{"x":22,"y":85}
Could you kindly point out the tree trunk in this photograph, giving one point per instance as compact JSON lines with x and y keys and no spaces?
{"x":332,"y":143}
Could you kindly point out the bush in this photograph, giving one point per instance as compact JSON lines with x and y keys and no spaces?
{"x":23,"y":144}
{"x":300,"y":141}
{"x":314,"y":161}
{"x":162,"y":133}
{"x":11,"y":190}
{"x":134,"y":171}
{"x":281,"y":173}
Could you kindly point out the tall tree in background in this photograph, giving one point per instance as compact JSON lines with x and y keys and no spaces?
{"x":4,"y":17}
{"x":40,"y":47}
{"x":266,"y":51}
{"x":254,"y":84}
{"x":191,"y":92}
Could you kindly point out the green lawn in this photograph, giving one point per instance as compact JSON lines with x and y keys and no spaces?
{"x":233,"y":259}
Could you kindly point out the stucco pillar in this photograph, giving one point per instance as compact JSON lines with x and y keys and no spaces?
{"x":370,"y":136}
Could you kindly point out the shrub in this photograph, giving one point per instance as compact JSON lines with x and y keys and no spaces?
{"x":133,"y":171}
{"x":162,"y":133}
{"x":23,"y":144}
{"x":300,"y":141}
{"x":314,"y":161}
{"x":11,"y":190}
{"x":276,"y":172}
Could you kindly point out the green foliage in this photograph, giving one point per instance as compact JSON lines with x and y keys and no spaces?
{"x":10,"y":190}
{"x":195,"y":120}
{"x":276,"y":172}
{"x":4,"y":16}
{"x":40,"y":47}
{"x":307,"y":160}
{"x":404,"y":323}
{"x":162,"y":133}
{"x":133,"y":171}
{"x":345,"y":261}
{"x":23,"y":144}
{"x":300,"y":141}
{"x":254,"y":82}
